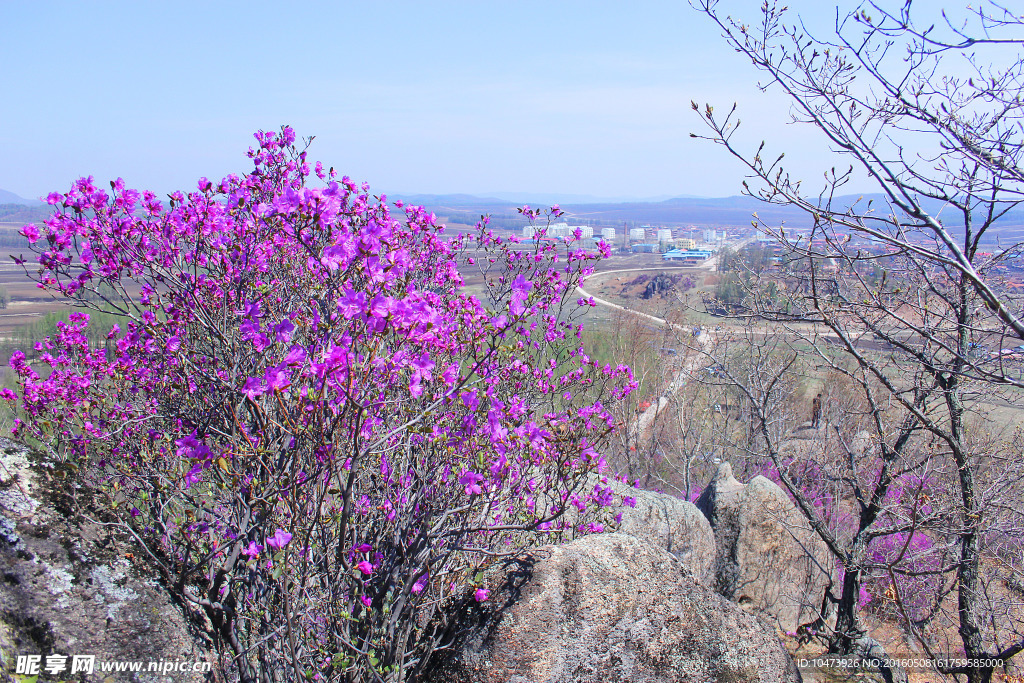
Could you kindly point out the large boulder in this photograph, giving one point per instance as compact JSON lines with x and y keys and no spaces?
{"x":670,"y":523}
{"x":768,"y":560}
{"x":69,"y":587}
{"x":609,"y":608}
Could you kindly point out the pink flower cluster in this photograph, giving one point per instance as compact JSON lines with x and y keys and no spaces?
{"x":300,"y":370}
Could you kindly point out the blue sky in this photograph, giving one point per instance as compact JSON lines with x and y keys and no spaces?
{"x":414,"y":97}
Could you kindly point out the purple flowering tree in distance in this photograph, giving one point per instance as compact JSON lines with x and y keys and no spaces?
{"x":318,"y":433}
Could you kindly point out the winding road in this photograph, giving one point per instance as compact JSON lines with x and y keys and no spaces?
{"x":645,"y":422}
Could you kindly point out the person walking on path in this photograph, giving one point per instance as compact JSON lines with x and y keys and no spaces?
{"x":816,"y":412}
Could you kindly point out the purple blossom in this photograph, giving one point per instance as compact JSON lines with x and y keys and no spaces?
{"x":31,"y":232}
{"x":277,"y":378}
{"x":194,"y":475}
{"x":249,"y":329}
{"x":471,"y":480}
{"x":422,"y":365}
{"x":253,"y":388}
{"x":336,"y":256}
{"x":192,"y":446}
{"x":470,"y":400}
{"x":283,"y":331}
{"x":295,"y":356}
{"x":520,"y":291}
{"x":351,"y":303}
{"x":279,"y":540}
{"x":251,"y":310}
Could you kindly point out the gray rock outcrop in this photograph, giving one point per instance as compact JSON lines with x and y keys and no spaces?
{"x":69,"y":588}
{"x":609,"y":608}
{"x":768,"y":560}
{"x":672,"y":524}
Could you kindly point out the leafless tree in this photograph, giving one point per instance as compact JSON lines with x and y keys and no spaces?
{"x":857,"y":480}
{"x":933,"y":116}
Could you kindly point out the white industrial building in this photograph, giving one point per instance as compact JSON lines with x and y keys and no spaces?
{"x":710,"y":236}
{"x":558,"y":230}
{"x":664,"y":235}
{"x":636,"y":234}
{"x":608,"y":234}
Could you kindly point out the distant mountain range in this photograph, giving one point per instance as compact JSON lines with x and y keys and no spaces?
{"x":15,"y":209}
{"x":555,"y":198}
{"x":11,"y":198}
{"x":734,"y":210}
{"x":699,"y":212}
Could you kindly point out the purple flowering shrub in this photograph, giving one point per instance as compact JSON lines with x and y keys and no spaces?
{"x":913,"y":577}
{"x":810,"y":478}
{"x":903,"y":571}
{"x":321,"y":437}
{"x":908,"y":572}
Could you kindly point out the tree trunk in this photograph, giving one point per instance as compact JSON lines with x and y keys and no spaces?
{"x":968,"y":574}
{"x":848,"y":630}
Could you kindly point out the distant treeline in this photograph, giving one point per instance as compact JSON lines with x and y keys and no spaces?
{"x":712,"y":212}
{"x":503,"y":222}
{"x":10,"y":237}
{"x":19,"y":213}
{"x":13,"y":216}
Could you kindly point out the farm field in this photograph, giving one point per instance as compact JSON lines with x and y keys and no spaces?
{"x":27,"y":302}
